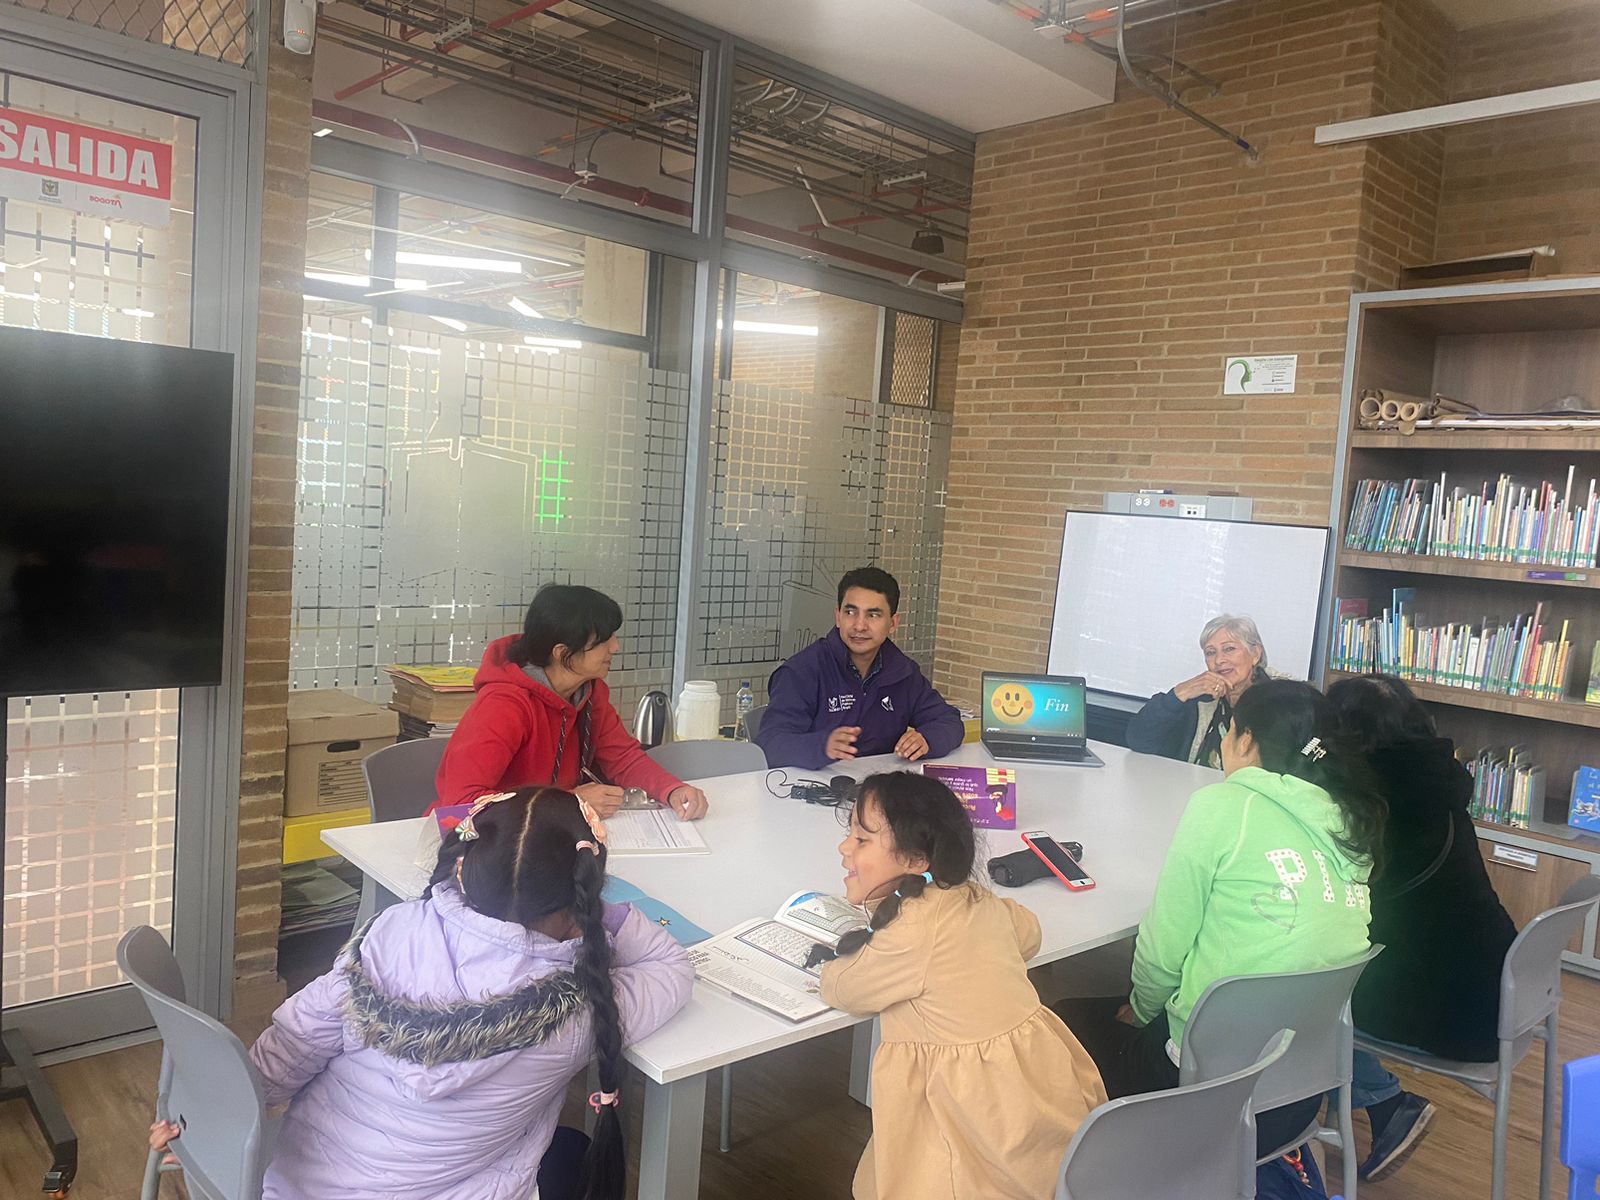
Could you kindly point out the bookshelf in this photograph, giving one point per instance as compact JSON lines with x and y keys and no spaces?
{"x":1505,"y":348}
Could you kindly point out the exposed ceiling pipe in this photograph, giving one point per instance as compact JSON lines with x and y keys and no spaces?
{"x":511,"y":18}
{"x":444,"y":143}
{"x":1147,"y":82}
{"x":827,"y":224}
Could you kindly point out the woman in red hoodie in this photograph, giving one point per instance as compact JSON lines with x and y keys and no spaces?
{"x":543,"y":714}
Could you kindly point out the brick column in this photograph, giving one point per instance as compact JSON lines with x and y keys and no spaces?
{"x":272,"y":502}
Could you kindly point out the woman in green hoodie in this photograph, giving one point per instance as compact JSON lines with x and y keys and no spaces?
{"x":1267,"y":873}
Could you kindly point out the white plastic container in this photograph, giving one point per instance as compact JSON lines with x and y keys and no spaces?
{"x":699,"y":711}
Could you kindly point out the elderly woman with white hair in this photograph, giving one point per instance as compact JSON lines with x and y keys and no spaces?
{"x":1188,"y":722}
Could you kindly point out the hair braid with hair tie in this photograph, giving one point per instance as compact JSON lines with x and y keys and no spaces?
{"x":605,"y":1172}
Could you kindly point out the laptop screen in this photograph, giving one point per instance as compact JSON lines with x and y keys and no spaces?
{"x":1035,"y":708}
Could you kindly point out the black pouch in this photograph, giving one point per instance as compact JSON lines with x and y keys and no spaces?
{"x":1024,"y":866}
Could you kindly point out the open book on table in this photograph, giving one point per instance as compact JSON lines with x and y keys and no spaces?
{"x":764,"y":961}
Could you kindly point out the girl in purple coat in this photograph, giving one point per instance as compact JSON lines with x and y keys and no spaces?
{"x":432,"y":1061}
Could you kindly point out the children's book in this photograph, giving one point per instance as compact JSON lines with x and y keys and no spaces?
{"x":1592,"y":695}
{"x":1584,"y":812}
{"x":768,"y":962}
{"x":989,"y":794}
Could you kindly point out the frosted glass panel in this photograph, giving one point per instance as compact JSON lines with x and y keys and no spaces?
{"x":805,"y":487}
{"x":90,"y":821}
{"x":444,"y":479}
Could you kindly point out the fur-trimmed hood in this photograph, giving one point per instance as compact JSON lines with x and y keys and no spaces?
{"x":430,"y":1033}
{"x":448,"y":1030}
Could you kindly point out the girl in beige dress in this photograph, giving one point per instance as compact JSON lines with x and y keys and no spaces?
{"x":976,"y":1087}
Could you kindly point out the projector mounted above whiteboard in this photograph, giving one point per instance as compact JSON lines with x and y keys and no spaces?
{"x":1134,"y":593}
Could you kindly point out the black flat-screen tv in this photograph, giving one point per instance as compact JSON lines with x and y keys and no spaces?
{"x":115,"y":465}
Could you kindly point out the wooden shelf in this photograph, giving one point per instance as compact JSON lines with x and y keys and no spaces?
{"x":1467,"y":568}
{"x":1476,"y":439}
{"x":1568,"y":712}
{"x":1544,"y":831}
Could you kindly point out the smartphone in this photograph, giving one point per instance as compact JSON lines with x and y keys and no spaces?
{"x":1062,"y":865}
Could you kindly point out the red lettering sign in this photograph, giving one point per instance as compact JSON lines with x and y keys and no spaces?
{"x":87,"y":154}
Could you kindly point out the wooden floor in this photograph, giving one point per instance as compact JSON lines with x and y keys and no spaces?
{"x":797,"y":1134}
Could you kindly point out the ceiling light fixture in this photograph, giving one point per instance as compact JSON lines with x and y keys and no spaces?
{"x":137,"y":312}
{"x":558,"y":343}
{"x":324,"y":131}
{"x":773,"y":327}
{"x":450,"y":323}
{"x":503,"y":266}
{"x":927,"y":241}
{"x":526,"y":309}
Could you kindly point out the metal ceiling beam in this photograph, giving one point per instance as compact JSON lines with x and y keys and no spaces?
{"x":1463,"y":112}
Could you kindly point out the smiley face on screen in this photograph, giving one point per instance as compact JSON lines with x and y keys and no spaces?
{"x":1012,"y":703}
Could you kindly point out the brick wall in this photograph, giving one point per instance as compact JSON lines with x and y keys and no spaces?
{"x":1117,"y":256}
{"x":272,"y":488}
{"x":1529,"y":180}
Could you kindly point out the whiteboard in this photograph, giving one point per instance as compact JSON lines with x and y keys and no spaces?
{"x":1135,"y":591}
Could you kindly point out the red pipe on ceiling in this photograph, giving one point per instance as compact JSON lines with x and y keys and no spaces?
{"x":354,"y":118}
{"x":389,"y":72}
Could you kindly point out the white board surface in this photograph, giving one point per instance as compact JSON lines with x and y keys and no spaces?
{"x":1135,"y":591}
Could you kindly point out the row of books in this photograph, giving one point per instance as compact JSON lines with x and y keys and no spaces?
{"x":1503,"y":522}
{"x":1514,"y":657}
{"x":1507,"y":786}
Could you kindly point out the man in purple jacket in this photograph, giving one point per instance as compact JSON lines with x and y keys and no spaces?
{"x":853,"y":693}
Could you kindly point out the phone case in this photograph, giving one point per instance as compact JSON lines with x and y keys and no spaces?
{"x":1072,"y":885}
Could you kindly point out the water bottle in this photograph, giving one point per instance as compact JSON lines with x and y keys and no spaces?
{"x":744,"y":702}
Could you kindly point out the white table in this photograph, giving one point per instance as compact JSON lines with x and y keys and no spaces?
{"x":764,"y":849}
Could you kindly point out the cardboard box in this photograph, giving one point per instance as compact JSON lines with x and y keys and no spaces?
{"x":330,"y":732}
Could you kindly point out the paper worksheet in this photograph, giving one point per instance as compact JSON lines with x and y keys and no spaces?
{"x":653,"y":831}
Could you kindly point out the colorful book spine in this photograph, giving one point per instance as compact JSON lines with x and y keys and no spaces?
{"x":1507,"y":786}
{"x":1515,"y":657}
{"x":1545,"y":523}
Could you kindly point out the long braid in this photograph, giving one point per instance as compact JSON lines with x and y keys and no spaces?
{"x":605,"y":1170}
{"x":908,"y":888}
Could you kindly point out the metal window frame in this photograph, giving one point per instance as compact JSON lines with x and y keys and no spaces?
{"x":228,"y":104}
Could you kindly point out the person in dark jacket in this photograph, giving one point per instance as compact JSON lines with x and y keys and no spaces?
{"x":1436,"y":986}
{"x":1188,"y":722}
{"x":853,"y":693}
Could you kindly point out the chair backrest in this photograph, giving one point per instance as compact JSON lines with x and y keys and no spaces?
{"x":1190,"y":1143}
{"x":1235,"y":1016}
{"x":1530,"y":980}
{"x":213,"y":1093}
{"x":145,"y":952}
{"x":752,"y":721}
{"x":400,"y":778}
{"x":707,"y":758}
{"x":1580,"y":1120}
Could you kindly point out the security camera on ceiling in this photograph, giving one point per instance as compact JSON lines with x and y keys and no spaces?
{"x":299,"y":25}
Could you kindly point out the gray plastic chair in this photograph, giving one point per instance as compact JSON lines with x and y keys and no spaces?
{"x":1530,"y":1008}
{"x":208,"y":1086}
{"x":1235,"y":1014}
{"x":399,"y":786}
{"x":1195,"y":1142}
{"x":752,"y":721}
{"x":161,"y":971}
{"x":708,"y":758}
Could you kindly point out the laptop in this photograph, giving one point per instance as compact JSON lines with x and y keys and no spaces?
{"x":1037,"y":718}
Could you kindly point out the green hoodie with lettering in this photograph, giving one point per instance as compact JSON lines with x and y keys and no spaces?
{"x":1255,"y":883}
